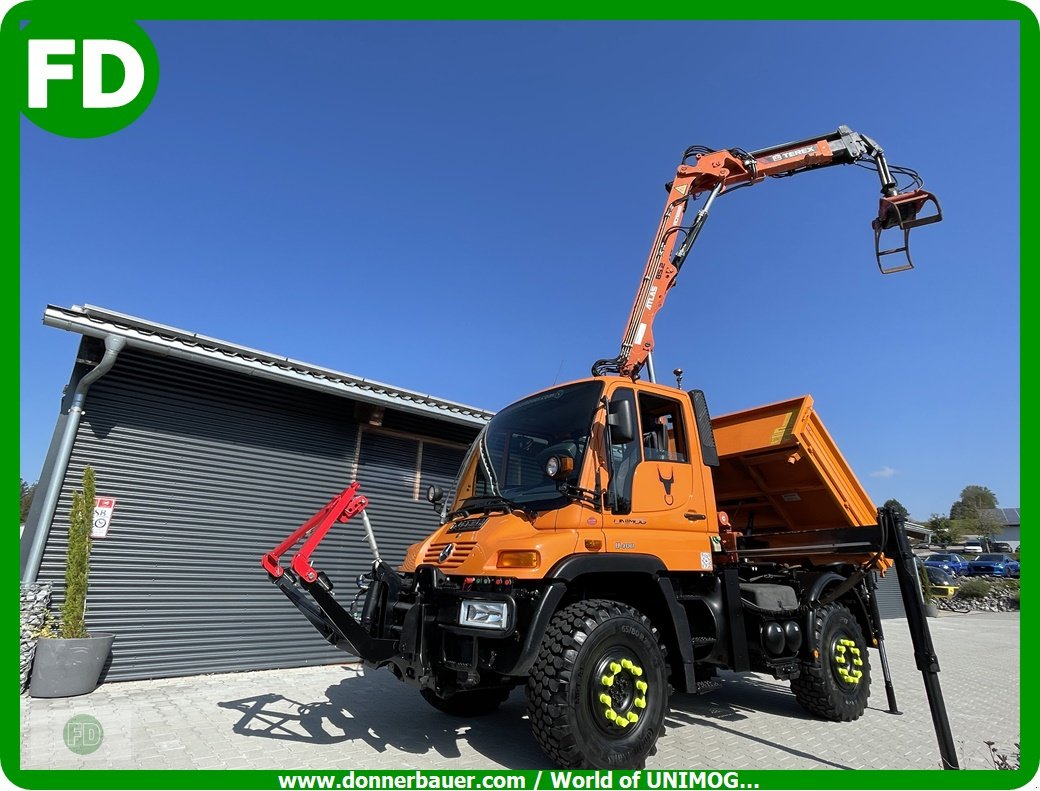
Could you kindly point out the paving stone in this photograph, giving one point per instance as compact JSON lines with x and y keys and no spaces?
{"x":340,"y":717}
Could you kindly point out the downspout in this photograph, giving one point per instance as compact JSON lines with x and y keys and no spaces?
{"x":113,"y":345}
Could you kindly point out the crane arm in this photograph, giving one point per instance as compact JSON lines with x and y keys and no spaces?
{"x":713,"y":172}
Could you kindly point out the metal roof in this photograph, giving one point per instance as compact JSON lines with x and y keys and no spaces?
{"x":173,"y":342}
{"x":1006,"y":516}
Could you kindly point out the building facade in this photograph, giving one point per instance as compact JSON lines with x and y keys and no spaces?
{"x":212,"y":453}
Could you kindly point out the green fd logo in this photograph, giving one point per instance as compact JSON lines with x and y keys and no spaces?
{"x":86,"y":78}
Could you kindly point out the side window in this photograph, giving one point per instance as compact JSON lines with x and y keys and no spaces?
{"x":623,"y":460}
{"x":664,"y":436}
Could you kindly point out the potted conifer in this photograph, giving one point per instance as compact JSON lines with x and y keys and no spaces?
{"x":70,"y":662}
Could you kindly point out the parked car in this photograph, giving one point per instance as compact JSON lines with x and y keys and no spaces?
{"x":973,"y":547}
{"x":943,"y":585}
{"x":1002,"y":546}
{"x":993,"y":564}
{"x":1014,"y":569}
{"x":950,"y":562}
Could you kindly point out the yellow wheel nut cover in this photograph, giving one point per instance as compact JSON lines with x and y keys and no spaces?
{"x":621,"y":721}
{"x":633,"y":717}
{"x":637,"y":670}
{"x":626,"y":663}
{"x":604,"y":699}
{"x":615,"y":667}
{"x":641,"y":686}
{"x":607,"y":681}
{"x":610,"y":714}
{"x":639,"y":703}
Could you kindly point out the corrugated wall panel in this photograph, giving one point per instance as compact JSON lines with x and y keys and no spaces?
{"x":210,"y":470}
{"x":889,"y":599}
{"x":388,"y":468}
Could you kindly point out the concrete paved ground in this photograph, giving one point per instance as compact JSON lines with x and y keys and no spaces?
{"x":340,"y":717}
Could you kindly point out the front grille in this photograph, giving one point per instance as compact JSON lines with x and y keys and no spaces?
{"x":462,"y":551}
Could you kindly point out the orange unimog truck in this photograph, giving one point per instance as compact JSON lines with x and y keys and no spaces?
{"x":607,"y":542}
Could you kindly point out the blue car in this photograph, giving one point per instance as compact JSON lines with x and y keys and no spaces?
{"x":950,"y":562}
{"x":993,"y":564}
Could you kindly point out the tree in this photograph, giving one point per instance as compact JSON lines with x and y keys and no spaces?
{"x":944,"y":531}
{"x":968,"y":513}
{"x":973,"y":499}
{"x":27,"y":497}
{"x":899,"y":508}
{"x":77,"y":563}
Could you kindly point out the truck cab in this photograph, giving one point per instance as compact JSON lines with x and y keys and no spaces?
{"x":597,"y":466}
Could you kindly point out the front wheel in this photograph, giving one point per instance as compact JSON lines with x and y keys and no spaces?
{"x":836,"y":684}
{"x":598,"y":692}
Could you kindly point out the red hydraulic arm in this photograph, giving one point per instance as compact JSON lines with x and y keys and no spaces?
{"x":342,"y":507}
{"x":715,"y":171}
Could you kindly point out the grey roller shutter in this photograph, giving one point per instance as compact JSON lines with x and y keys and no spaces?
{"x":889,"y":599}
{"x":211,"y":469}
{"x":394,"y":471}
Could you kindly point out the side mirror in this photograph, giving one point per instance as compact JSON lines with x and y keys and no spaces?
{"x":622,"y":421}
{"x":434,"y":494}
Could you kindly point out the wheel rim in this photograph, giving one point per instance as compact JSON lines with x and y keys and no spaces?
{"x":620,"y":692}
{"x":847,"y":660}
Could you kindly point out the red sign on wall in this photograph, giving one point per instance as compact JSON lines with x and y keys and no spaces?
{"x":103,"y":509}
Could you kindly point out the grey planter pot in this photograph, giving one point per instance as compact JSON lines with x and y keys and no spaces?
{"x":63,"y":668}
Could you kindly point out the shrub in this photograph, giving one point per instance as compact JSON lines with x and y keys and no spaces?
{"x":77,"y":564}
{"x":975,"y":589}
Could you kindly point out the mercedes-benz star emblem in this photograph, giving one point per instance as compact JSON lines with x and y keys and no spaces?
{"x":445,"y":553}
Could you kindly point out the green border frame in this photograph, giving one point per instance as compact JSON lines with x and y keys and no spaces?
{"x":161,"y":10}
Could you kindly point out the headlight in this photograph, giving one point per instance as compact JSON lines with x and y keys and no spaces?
{"x":484,"y":614}
{"x":559,"y":467}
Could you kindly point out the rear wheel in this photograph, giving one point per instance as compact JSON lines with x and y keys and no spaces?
{"x":469,"y":703}
{"x":835,"y":685}
{"x":598,"y":691}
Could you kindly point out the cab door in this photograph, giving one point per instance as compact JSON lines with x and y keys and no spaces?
{"x":659,"y":505}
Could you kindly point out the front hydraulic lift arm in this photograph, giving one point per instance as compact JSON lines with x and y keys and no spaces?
{"x":326,"y":614}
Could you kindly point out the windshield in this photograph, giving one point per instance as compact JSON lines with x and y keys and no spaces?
{"x":507,"y":459}
{"x":990,"y":558}
{"x":941,"y":558}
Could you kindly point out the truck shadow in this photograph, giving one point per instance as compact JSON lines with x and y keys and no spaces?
{"x":384,"y":714}
{"x":737,"y":697}
{"x":380,"y":712}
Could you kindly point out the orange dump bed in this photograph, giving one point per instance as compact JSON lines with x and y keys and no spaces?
{"x":781,"y":471}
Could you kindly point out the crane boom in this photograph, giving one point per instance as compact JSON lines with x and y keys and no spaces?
{"x":713,"y":172}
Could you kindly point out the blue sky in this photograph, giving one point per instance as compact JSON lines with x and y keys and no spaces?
{"x":465,"y":209}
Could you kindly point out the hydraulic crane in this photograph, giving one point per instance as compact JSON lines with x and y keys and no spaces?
{"x":714,"y":172}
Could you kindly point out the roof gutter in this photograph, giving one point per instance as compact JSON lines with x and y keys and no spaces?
{"x":206,"y":351}
{"x":113,"y":345}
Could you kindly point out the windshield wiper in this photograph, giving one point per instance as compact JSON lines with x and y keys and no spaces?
{"x":582,"y":495}
{"x":488,"y":504}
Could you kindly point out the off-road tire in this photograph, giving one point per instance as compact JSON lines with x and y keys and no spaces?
{"x":822,"y":688}
{"x":587,"y":645}
{"x":469,"y":703}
